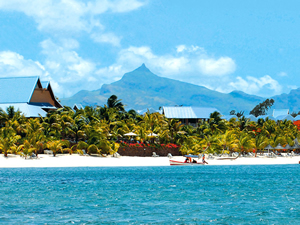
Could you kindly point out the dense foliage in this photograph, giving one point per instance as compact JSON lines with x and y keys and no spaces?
{"x":97,"y":129}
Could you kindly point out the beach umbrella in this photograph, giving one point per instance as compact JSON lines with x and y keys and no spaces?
{"x":130,"y":134}
{"x":288,"y":147}
{"x":269,"y":147}
{"x":152,"y":135}
{"x":296,"y":145}
{"x":279,"y":147}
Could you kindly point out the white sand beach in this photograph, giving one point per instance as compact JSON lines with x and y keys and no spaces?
{"x":15,"y":161}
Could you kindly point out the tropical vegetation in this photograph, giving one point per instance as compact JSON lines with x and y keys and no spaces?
{"x":98,"y":129}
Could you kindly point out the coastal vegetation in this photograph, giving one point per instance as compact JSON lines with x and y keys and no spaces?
{"x":99,"y":130}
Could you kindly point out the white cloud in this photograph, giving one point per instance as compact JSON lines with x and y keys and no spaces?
{"x":217,"y":67}
{"x":107,"y":38}
{"x":13,"y":64}
{"x":282,"y":74}
{"x":180,"y":48}
{"x":66,"y":17}
{"x":263,"y":86}
{"x":67,"y":68}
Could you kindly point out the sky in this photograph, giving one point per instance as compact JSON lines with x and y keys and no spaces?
{"x":251,"y":46}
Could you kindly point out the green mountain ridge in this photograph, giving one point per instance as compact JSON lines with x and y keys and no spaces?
{"x":141,"y":89}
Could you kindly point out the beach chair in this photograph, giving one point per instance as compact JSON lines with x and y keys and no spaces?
{"x":235,"y":154}
{"x":82,"y":152}
{"x":48,"y":152}
{"x":272,"y":155}
{"x":33,"y":156}
{"x":283,"y":154}
{"x":251,"y":154}
{"x":210,"y":156}
{"x":169,"y":155}
{"x":116,"y":155}
{"x":154,"y":154}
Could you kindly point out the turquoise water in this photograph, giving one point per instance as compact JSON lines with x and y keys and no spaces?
{"x":151,"y":195}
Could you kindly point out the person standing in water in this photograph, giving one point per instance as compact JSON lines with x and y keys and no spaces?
{"x":203,"y":159}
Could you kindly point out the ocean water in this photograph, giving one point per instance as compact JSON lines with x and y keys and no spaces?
{"x":151,"y":195}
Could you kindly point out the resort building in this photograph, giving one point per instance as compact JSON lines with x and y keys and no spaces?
{"x":188,"y":115}
{"x":277,"y":115}
{"x":28,"y":95}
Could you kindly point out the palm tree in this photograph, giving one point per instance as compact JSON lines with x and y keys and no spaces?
{"x":8,"y":138}
{"x":245,"y":142}
{"x":56,"y":146}
{"x":261,"y":141}
{"x":114,"y":102}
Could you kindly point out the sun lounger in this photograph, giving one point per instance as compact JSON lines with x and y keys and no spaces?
{"x":251,"y":154}
{"x":82,"y":152}
{"x":48,"y":152}
{"x":210,"y":156}
{"x":272,"y":155}
{"x":116,"y":155}
{"x":235,"y":154}
{"x":33,"y":156}
{"x":284,"y":154}
{"x":154,"y":154}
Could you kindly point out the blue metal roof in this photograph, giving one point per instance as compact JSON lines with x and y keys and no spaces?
{"x":251,"y":118}
{"x":285,"y":117}
{"x":28,"y":110}
{"x":297,"y":118}
{"x":17,"y":89}
{"x":266,"y":116}
{"x":280,"y":112}
{"x":189,"y":112}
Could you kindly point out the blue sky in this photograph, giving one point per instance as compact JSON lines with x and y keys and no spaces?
{"x":252,"y":46}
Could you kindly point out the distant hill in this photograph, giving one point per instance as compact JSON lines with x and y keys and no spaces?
{"x":142,"y":89}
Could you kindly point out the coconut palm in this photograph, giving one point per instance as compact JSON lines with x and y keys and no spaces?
{"x":8,"y":138}
{"x":56,"y":145}
{"x":245,"y":142}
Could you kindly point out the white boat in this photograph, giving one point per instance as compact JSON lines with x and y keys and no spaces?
{"x":179,"y":163}
{"x":188,"y":161}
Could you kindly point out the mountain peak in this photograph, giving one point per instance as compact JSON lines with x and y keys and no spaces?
{"x":142,"y":68}
{"x":140,"y":73}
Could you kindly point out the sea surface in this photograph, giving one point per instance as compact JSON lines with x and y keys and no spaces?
{"x":151,"y":195}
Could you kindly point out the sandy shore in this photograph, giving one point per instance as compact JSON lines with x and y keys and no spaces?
{"x":13,"y":161}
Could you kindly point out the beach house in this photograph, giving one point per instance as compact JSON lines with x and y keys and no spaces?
{"x":28,"y":95}
{"x":188,"y":115}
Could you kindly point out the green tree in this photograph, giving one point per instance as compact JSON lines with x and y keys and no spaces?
{"x":262,"y":108}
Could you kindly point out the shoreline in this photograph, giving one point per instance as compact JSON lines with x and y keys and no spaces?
{"x":63,"y":160}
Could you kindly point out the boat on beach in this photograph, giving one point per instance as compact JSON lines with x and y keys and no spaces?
{"x":188,"y":161}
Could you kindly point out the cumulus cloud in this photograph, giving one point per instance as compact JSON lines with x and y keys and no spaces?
{"x":13,"y":64}
{"x":107,"y":38}
{"x":219,"y":67}
{"x":66,"y":17}
{"x":264,"y":86}
{"x":67,"y":68}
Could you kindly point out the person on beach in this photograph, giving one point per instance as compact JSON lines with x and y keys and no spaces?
{"x":203,"y":159}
